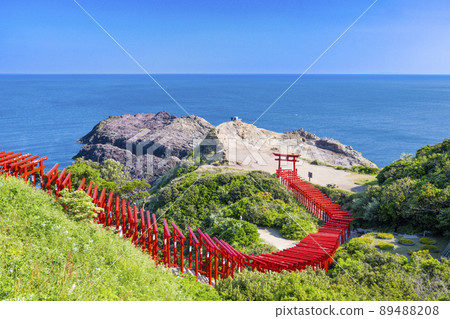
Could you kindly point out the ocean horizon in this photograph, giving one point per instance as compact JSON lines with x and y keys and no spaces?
{"x":382,"y":116}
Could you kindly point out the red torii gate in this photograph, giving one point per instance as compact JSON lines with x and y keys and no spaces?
{"x":287,"y":158}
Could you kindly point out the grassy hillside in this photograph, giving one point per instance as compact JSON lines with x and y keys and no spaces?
{"x":44,"y":255}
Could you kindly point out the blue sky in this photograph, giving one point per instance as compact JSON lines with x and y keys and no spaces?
{"x":227,"y":36}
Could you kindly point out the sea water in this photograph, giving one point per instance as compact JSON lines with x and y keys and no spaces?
{"x":381,"y":116}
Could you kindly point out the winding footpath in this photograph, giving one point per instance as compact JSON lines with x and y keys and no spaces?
{"x":197,"y":252}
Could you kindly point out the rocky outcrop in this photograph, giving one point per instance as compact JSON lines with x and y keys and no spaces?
{"x":327,"y":150}
{"x":151,"y":144}
{"x":247,"y":145}
{"x":148,"y":144}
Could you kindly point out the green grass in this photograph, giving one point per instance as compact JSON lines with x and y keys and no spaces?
{"x":366,"y":181}
{"x":44,"y":255}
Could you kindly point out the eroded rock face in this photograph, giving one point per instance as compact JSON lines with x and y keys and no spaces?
{"x":148,"y":144}
{"x":247,"y":145}
{"x":328,"y":150}
{"x":151,"y":144}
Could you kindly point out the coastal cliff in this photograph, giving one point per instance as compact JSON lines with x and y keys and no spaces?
{"x":251,"y":144}
{"x":148,"y":144}
{"x":151,"y":144}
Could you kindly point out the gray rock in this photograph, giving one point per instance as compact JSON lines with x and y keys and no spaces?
{"x":329,"y":150}
{"x":148,"y":144}
{"x":151,"y":144}
{"x":249,"y":140}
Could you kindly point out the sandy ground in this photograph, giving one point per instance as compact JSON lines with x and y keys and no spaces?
{"x":273,"y":237}
{"x":322,"y":175}
{"x":251,"y":148}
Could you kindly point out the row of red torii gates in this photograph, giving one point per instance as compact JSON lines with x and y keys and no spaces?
{"x":197,"y":253}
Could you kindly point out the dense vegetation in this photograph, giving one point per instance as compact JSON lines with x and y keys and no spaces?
{"x":229,"y":204}
{"x":45,"y":255}
{"x":50,"y":252}
{"x":411,"y":195}
{"x":360,"y":273}
{"x":111,"y":175}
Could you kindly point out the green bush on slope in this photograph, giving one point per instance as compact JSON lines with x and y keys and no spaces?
{"x":216,"y":200}
{"x":412,"y":195}
{"x":44,"y":255}
{"x":361,"y":272}
{"x":78,"y":205}
{"x":111,"y":175}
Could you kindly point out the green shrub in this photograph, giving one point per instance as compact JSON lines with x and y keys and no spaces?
{"x":412,"y":194}
{"x":234,"y":232}
{"x":185,"y":170}
{"x":385,"y":236}
{"x":219,"y":193}
{"x":412,"y":251}
{"x":385,"y":246}
{"x":430,"y":248}
{"x":363,"y":240}
{"x":361,"y":272}
{"x":406,"y":241}
{"x":78,"y":205}
{"x":370,"y":234}
{"x":111,"y":175}
{"x":306,"y":285}
{"x":365,"y":170}
{"x":427,"y":241}
{"x":317,"y":162}
{"x":257,"y":249}
{"x":296,"y":229}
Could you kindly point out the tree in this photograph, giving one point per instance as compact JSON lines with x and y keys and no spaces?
{"x":136,"y":190}
{"x":113,"y":171}
{"x":85,"y":169}
{"x":110,"y":174}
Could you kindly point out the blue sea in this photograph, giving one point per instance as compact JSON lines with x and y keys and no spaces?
{"x":381,"y":116}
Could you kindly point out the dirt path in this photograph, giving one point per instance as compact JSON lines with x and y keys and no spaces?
{"x":322,"y":175}
{"x":273,"y":237}
{"x":248,"y":147}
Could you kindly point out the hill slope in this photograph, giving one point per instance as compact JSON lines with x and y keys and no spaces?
{"x":46,"y":256}
{"x":413,"y":193}
{"x":229,"y":204}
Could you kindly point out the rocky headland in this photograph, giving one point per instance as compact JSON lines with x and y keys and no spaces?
{"x":151,"y":144}
{"x":148,"y":144}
